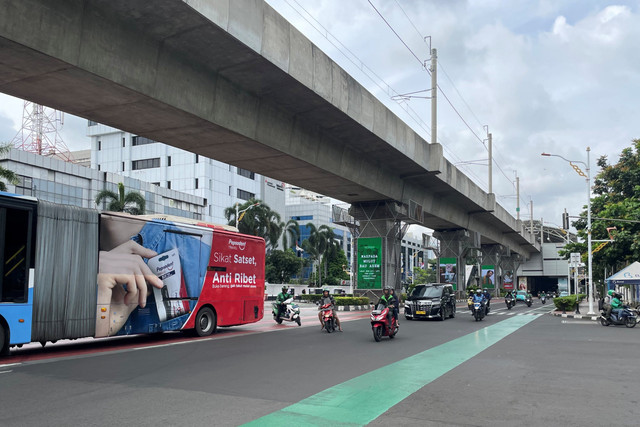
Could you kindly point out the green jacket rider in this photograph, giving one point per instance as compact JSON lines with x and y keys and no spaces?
{"x":281,"y":298}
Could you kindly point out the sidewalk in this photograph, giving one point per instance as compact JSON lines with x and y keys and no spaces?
{"x":584,"y":309}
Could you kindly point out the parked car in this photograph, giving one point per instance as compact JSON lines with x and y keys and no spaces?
{"x":433,"y":300}
{"x":521,"y":296}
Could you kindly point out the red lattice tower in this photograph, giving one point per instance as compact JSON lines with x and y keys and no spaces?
{"x":40,"y":132}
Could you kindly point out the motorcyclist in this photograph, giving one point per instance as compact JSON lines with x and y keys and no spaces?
{"x":396,"y":304}
{"x":606,"y":304}
{"x":328,"y":299}
{"x":479,"y":297}
{"x":387,"y":300}
{"x":616,"y":305}
{"x":470,"y":299}
{"x":508,"y":295}
{"x":487,"y":297}
{"x":542,"y":294}
{"x":280,"y":299}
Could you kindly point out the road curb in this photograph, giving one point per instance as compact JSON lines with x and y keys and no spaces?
{"x":576,"y":316}
{"x":353,"y":307}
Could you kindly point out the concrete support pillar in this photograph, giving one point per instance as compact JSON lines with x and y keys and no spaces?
{"x":493,"y":255}
{"x":381,"y":220}
{"x":457,"y":244}
{"x":510,"y":265}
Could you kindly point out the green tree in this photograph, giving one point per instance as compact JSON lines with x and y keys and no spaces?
{"x":336,"y":265}
{"x":6,"y":174}
{"x":617,"y":195}
{"x":259,"y":221}
{"x":321,"y":241}
{"x":290,"y":233}
{"x":281,"y":265}
{"x":131,"y":202}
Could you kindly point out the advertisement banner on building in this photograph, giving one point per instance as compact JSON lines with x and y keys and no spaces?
{"x":370,"y":263}
{"x":522,"y":283}
{"x":507,"y":280}
{"x":488,"y":277}
{"x":448,"y":271}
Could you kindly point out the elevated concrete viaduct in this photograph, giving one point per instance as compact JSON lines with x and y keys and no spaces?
{"x":234,"y":81}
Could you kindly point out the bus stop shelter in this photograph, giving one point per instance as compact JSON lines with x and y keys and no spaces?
{"x":630,"y":275}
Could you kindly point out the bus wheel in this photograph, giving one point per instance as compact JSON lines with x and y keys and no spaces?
{"x":205,"y":322}
{"x":4,"y":345}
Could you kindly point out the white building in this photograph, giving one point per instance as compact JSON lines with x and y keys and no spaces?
{"x":219,"y":184}
{"x":57,"y":181}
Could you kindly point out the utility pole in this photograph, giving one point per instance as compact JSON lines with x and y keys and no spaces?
{"x":434,"y":96}
{"x":517,"y":197}
{"x":531,"y":217}
{"x":490,"y":163}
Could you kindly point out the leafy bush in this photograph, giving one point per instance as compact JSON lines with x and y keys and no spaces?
{"x":340,"y":300}
{"x":310,"y":297}
{"x":352,"y":300}
{"x":568,"y":302}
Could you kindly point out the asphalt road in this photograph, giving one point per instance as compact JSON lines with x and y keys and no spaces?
{"x":515,"y":367}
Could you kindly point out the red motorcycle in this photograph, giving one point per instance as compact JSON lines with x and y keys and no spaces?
{"x":380,"y":323}
{"x":327,"y":318}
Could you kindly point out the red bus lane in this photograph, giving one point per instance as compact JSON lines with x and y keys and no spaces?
{"x":85,"y":347}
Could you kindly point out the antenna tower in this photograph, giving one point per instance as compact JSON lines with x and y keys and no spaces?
{"x":40,"y":132}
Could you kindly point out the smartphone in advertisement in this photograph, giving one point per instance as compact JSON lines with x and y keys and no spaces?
{"x":169,"y":300}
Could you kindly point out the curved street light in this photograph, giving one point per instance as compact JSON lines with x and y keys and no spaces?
{"x":588,"y":177}
{"x":243,"y":210}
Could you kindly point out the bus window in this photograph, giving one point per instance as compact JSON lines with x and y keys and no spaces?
{"x":14,"y":255}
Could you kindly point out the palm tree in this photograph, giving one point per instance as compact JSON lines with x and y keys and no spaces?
{"x":6,"y":174}
{"x":131,"y":202}
{"x":321,"y":240}
{"x":290,"y":233}
{"x":259,"y":220}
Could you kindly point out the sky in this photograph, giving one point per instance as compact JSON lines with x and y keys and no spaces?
{"x":541,"y":75}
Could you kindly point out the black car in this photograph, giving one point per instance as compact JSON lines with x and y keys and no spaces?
{"x":434,"y":300}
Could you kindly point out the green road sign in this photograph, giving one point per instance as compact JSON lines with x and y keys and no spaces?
{"x":370,"y":263}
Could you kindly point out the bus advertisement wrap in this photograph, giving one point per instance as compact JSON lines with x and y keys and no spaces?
{"x":153,"y":275}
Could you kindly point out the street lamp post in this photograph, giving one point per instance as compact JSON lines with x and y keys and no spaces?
{"x":243,"y":210}
{"x":589,"y":254}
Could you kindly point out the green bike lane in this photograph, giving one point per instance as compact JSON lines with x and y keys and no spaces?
{"x":362,"y":399}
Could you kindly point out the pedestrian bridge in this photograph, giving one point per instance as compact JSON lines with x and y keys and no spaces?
{"x":234,"y":81}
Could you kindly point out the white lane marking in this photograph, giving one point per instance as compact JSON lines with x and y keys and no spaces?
{"x":6,"y":372}
{"x":10,"y":364}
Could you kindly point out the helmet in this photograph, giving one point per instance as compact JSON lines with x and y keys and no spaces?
{"x":325,"y":290}
{"x":285,"y":289}
{"x":478,"y":290}
{"x":485,"y":289}
{"x":610,"y":292}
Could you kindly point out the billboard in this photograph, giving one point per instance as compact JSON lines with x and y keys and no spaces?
{"x":370,"y":263}
{"x":488,"y":276}
{"x":448,"y":271}
{"x":507,"y":280}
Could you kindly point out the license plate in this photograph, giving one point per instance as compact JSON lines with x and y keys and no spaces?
{"x":421,"y":312}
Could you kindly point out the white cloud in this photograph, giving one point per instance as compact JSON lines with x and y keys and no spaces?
{"x":543,"y":75}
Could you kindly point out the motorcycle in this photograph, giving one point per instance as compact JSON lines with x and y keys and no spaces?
{"x":291,"y":312}
{"x":478,"y":311}
{"x":626,"y":318}
{"x":380,"y":323}
{"x":327,"y":318}
{"x":543,"y":299}
{"x":509,"y":302}
{"x":528,"y":300}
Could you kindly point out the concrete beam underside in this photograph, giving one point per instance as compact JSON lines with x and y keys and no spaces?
{"x":222,"y":79}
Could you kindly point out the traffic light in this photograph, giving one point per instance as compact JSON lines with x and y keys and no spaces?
{"x":565,"y":220}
